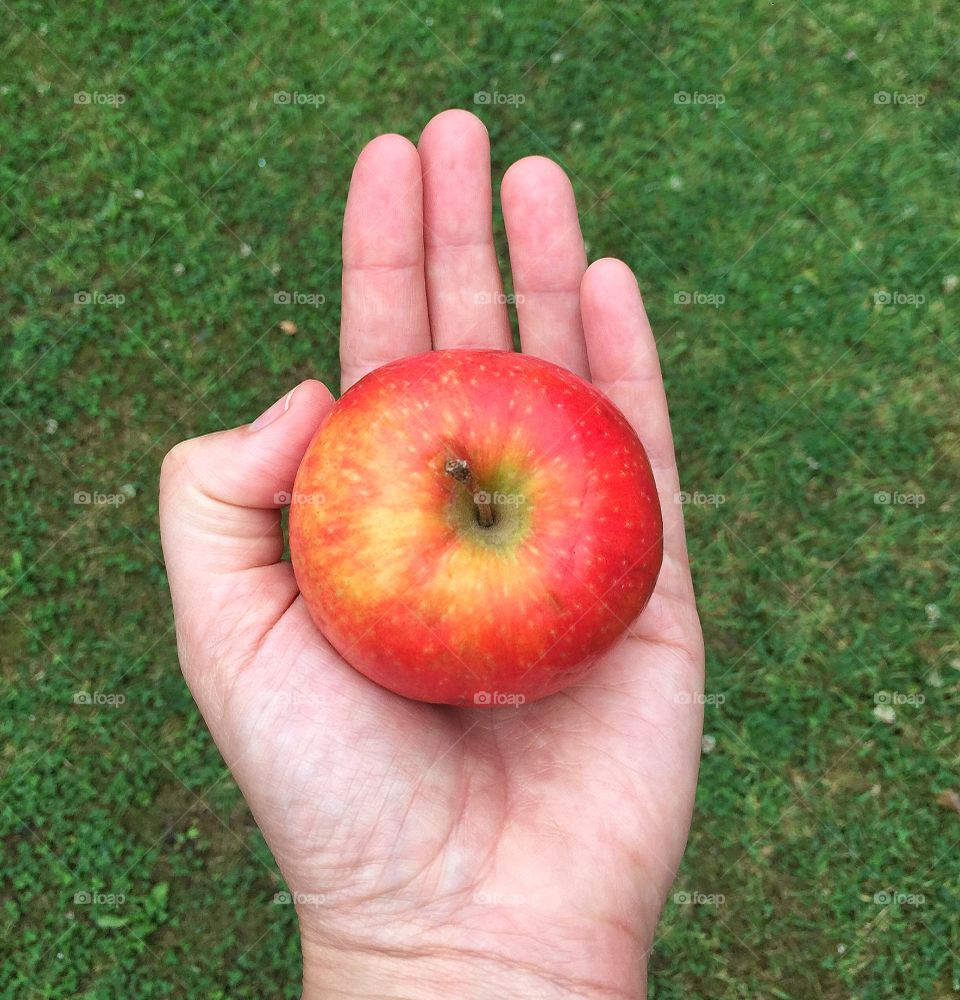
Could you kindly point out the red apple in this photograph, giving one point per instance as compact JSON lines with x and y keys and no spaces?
{"x":474,"y":527}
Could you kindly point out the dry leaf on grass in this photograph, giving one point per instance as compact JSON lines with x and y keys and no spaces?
{"x":949,"y":800}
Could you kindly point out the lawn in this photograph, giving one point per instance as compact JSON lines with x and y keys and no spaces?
{"x":783,"y":178}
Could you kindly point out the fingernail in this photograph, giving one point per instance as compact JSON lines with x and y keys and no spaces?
{"x":277,"y":410}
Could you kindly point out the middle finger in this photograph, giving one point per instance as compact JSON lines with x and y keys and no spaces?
{"x":464,"y":289}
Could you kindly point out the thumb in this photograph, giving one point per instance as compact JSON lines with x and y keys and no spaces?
{"x":220,"y":500}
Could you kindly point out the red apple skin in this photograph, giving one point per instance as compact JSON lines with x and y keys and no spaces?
{"x":398,"y":574}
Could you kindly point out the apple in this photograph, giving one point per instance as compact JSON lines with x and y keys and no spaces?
{"x":474,"y":527}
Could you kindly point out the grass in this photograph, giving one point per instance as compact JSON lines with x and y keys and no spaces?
{"x":796,"y":242}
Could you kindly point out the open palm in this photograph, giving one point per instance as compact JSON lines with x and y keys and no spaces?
{"x":535,"y":843}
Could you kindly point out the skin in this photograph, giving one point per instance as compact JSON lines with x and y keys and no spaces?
{"x":437,"y":851}
{"x":398,"y":572}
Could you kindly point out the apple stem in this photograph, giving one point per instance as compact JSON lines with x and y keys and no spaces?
{"x":460,"y":470}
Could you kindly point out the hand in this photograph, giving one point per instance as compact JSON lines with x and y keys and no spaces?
{"x":436,"y":851}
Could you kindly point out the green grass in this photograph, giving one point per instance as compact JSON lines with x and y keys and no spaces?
{"x":798,"y":398}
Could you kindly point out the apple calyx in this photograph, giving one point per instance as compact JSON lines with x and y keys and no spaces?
{"x":460,"y":470}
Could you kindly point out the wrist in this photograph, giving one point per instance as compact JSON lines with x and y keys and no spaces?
{"x":338,"y":973}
